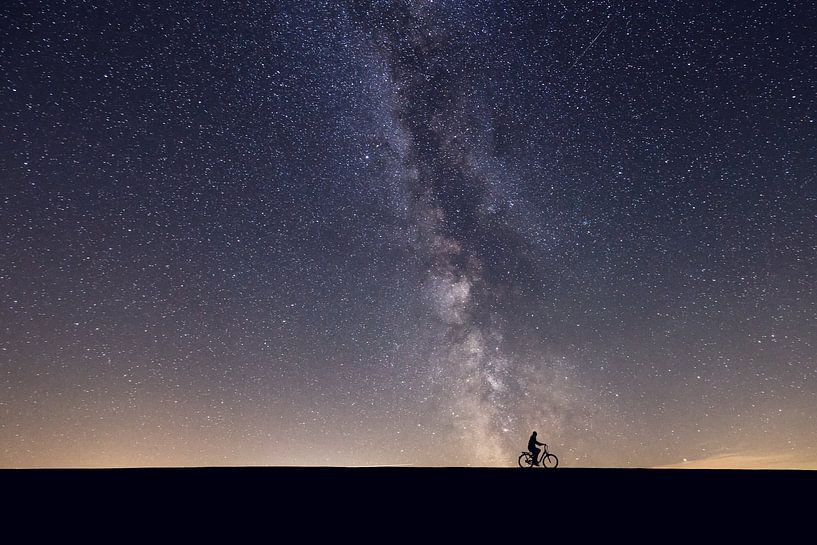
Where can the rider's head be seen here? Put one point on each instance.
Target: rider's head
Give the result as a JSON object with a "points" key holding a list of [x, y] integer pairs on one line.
{"points": [[534, 433]]}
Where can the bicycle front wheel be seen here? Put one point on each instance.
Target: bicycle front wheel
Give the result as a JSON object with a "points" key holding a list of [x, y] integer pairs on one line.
{"points": [[524, 460], [550, 461]]}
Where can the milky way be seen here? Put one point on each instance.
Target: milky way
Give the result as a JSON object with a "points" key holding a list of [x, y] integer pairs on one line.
{"points": [[362, 233]]}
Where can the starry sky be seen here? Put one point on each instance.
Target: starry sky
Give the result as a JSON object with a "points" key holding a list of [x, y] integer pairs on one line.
{"points": [[408, 232]]}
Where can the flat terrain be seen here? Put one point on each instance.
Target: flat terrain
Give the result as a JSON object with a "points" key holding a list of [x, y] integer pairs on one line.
{"points": [[426, 496]]}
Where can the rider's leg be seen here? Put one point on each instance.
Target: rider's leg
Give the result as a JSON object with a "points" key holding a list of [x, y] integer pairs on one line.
{"points": [[535, 453]]}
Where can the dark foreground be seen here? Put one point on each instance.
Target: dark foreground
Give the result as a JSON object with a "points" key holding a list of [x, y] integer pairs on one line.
{"points": [[333, 498]]}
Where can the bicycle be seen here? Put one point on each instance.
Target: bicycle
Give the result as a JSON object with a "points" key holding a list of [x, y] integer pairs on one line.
{"points": [[547, 460]]}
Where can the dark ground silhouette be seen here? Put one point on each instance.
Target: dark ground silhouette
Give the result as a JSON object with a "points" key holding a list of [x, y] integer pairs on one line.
{"points": [[411, 501]]}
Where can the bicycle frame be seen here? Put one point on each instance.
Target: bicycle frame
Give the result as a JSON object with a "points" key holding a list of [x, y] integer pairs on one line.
{"points": [[542, 454]]}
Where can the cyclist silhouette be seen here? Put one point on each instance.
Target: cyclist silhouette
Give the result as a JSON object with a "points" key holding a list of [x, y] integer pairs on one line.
{"points": [[532, 442]]}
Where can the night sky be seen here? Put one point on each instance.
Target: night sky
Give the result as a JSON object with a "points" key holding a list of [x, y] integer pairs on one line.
{"points": [[408, 232]]}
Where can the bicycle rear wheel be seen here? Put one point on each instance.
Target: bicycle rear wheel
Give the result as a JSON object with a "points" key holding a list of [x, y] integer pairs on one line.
{"points": [[550, 461], [524, 460]]}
